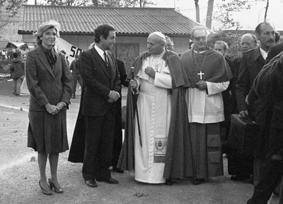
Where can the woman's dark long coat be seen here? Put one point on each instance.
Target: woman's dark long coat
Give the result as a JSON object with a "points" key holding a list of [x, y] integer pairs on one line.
{"points": [[47, 84]]}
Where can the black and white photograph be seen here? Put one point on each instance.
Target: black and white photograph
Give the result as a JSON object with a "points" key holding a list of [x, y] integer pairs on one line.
{"points": [[141, 102]]}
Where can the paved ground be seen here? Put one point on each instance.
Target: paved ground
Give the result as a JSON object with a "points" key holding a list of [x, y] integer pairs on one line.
{"points": [[19, 173]]}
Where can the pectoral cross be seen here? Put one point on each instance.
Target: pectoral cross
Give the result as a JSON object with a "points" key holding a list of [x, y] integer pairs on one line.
{"points": [[200, 75]]}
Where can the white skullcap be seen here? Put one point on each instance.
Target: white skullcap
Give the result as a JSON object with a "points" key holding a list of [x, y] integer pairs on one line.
{"points": [[159, 35], [47, 25]]}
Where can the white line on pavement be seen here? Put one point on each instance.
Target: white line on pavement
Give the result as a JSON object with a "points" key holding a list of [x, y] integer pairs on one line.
{"points": [[13, 107]]}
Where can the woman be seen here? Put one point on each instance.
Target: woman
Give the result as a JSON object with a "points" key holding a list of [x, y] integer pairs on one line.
{"points": [[50, 85]]}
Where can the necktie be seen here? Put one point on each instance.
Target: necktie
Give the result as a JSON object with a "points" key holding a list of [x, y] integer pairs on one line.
{"points": [[105, 59], [107, 63]]}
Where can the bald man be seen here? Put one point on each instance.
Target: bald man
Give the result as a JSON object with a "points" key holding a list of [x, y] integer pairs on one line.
{"points": [[240, 165], [248, 42], [159, 115]]}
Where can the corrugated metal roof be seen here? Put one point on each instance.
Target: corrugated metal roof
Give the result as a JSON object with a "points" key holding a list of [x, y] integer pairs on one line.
{"points": [[83, 20]]}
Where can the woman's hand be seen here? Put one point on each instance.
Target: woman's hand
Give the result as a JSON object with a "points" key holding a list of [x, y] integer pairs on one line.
{"points": [[51, 109]]}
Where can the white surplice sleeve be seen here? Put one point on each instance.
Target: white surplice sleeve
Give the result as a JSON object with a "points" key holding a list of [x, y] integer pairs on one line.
{"points": [[215, 88], [163, 80]]}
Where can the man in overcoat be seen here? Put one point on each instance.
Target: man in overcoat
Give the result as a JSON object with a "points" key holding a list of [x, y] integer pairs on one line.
{"points": [[267, 88], [251, 64]]}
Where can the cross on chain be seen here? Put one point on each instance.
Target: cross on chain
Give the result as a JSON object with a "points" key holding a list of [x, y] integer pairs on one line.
{"points": [[200, 75]]}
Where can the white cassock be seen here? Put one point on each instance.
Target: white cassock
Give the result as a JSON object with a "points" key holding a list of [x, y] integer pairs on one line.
{"points": [[154, 109], [206, 107]]}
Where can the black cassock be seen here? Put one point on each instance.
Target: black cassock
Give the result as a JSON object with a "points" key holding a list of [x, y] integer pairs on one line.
{"points": [[118, 116]]}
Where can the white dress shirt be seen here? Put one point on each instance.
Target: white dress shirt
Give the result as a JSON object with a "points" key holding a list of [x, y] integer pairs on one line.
{"points": [[263, 53], [100, 52]]}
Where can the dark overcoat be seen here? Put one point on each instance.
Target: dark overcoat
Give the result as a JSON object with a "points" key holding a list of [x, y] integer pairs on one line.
{"points": [[267, 88], [275, 50], [251, 64], [47, 84]]}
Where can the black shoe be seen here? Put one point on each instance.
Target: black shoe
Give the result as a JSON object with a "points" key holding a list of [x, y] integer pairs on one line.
{"points": [[250, 201], [44, 190], [240, 177], [118, 170], [91, 183], [169, 182], [55, 188], [198, 181], [110, 180]]}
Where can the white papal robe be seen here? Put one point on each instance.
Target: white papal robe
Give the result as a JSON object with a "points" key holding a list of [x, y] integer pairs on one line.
{"points": [[154, 109]]}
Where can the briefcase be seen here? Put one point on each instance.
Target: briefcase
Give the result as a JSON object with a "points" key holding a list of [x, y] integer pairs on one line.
{"points": [[242, 135]]}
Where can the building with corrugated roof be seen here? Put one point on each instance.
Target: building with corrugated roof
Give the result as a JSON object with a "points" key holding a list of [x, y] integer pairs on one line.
{"points": [[132, 25]]}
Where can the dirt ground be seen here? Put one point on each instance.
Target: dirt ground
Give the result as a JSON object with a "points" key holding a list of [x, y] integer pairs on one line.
{"points": [[19, 171]]}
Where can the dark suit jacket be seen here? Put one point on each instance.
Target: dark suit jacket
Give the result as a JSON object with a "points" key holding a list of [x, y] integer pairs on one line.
{"points": [[47, 84], [267, 88], [97, 82], [276, 139], [251, 64], [274, 51]]}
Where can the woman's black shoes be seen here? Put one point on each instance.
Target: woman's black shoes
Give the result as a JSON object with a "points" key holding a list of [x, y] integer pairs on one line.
{"points": [[55, 188], [45, 191]]}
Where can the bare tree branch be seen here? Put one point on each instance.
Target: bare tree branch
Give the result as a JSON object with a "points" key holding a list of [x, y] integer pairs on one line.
{"points": [[209, 13], [266, 10], [197, 10], [224, 13]]}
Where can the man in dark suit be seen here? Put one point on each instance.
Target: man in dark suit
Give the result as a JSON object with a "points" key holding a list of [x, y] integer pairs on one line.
{"points": [[101, 86], [251, 64]]}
